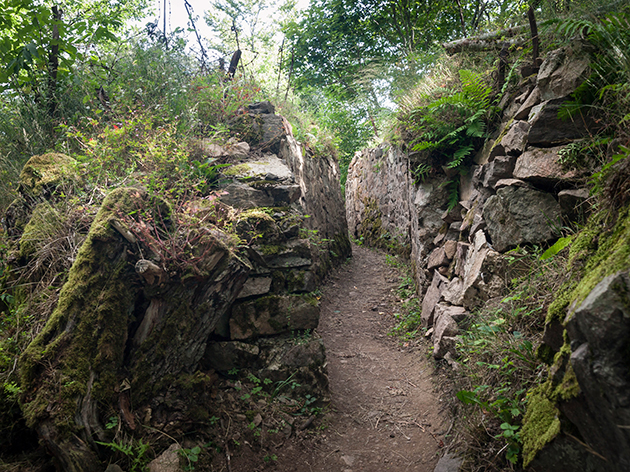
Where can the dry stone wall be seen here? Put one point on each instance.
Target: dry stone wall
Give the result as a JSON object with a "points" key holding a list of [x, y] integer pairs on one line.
{"points": [[515, 193], [144, 323]]}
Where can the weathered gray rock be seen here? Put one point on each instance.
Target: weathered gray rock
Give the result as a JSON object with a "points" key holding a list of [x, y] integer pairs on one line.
{"points": [[431, 297], [540, 166], [283, 195], [565, 454], [255, 286], [477, 281], [267, 167], [302, 358], [293, 254], [258, 108], [549, 130], [457, 313], [574, 203], [239, 150], [500, 168], [532, 100], [460, 258], [437, 258], [245, 197], [562, 71], [444, 336], [449, 462], [168, 461], [273, 131], [517, 215], [450, 248], [273, 314], [301, 281], [428, 201], [515, 140], [113, 468], [599, 331]]}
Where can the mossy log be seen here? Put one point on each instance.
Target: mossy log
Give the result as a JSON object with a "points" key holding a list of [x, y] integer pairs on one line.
{"points": [[118, 339]]}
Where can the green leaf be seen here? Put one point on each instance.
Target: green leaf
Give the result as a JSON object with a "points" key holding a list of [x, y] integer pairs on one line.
{"points": [[556, 248]]}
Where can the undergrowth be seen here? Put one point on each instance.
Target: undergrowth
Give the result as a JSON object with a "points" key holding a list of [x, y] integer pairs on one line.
{"points": [[497, 359]]}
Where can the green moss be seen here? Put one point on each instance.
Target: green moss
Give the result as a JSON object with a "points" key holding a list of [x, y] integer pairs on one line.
{"points": [[569, 387], [46, 171], [540, 425], [45, 222], [295, 280], [256, 214], [310, 299], [558, 308], [612, 255], [83, 341], [262, 184], [271, 249], [237, 170]]}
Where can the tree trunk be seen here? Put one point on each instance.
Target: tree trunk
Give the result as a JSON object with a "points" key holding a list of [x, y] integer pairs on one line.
{"points": [[485, 42], [53, 63], [535, 40]]}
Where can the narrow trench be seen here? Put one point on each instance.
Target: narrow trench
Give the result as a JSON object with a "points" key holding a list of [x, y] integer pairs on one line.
{"points": [[384, 412]]}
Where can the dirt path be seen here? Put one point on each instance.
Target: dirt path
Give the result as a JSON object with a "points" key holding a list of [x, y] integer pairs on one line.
{"points": [[384, 415]]}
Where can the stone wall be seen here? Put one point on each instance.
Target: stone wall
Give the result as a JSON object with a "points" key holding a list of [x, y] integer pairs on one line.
{"points": [[160, 299], [515, 193], [378, 198], [293, 216]]}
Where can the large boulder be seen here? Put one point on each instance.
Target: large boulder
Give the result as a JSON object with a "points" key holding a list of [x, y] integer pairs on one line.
{"points": [[548, 130], [273, 314], [518, 215], [562, 71], [540, 167], [599, 331]]}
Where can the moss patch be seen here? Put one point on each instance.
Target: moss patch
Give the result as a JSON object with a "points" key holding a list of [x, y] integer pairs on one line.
{"points": [[237, 170], [44, 222], [48, 170], [612, 254], [79, 351], [540, 425]]}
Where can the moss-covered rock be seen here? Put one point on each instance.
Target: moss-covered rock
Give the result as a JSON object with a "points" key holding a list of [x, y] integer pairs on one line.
{"points": [[540, 426], [591, 335], [44, 222], [111, 327], [42, 173]]}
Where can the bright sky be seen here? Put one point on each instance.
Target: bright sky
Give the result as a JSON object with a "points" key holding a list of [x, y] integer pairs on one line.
{"points": [[178, 17]]}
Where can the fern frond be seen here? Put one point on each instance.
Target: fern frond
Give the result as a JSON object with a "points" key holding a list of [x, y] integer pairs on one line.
{"points": [[572, 26], [476, 129], [459, 156], [475, 88], [424, 145]]}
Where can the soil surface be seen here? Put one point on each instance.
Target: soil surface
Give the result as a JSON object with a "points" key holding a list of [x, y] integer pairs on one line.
{"points": [[384, 412]]}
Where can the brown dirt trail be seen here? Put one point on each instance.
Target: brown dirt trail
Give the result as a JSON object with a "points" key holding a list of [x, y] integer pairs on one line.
{"points": [[385, 415]]}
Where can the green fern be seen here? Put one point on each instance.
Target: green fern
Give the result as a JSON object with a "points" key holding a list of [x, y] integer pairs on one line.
{"points": [[475, 88], [450, 126], [459, 156]]}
